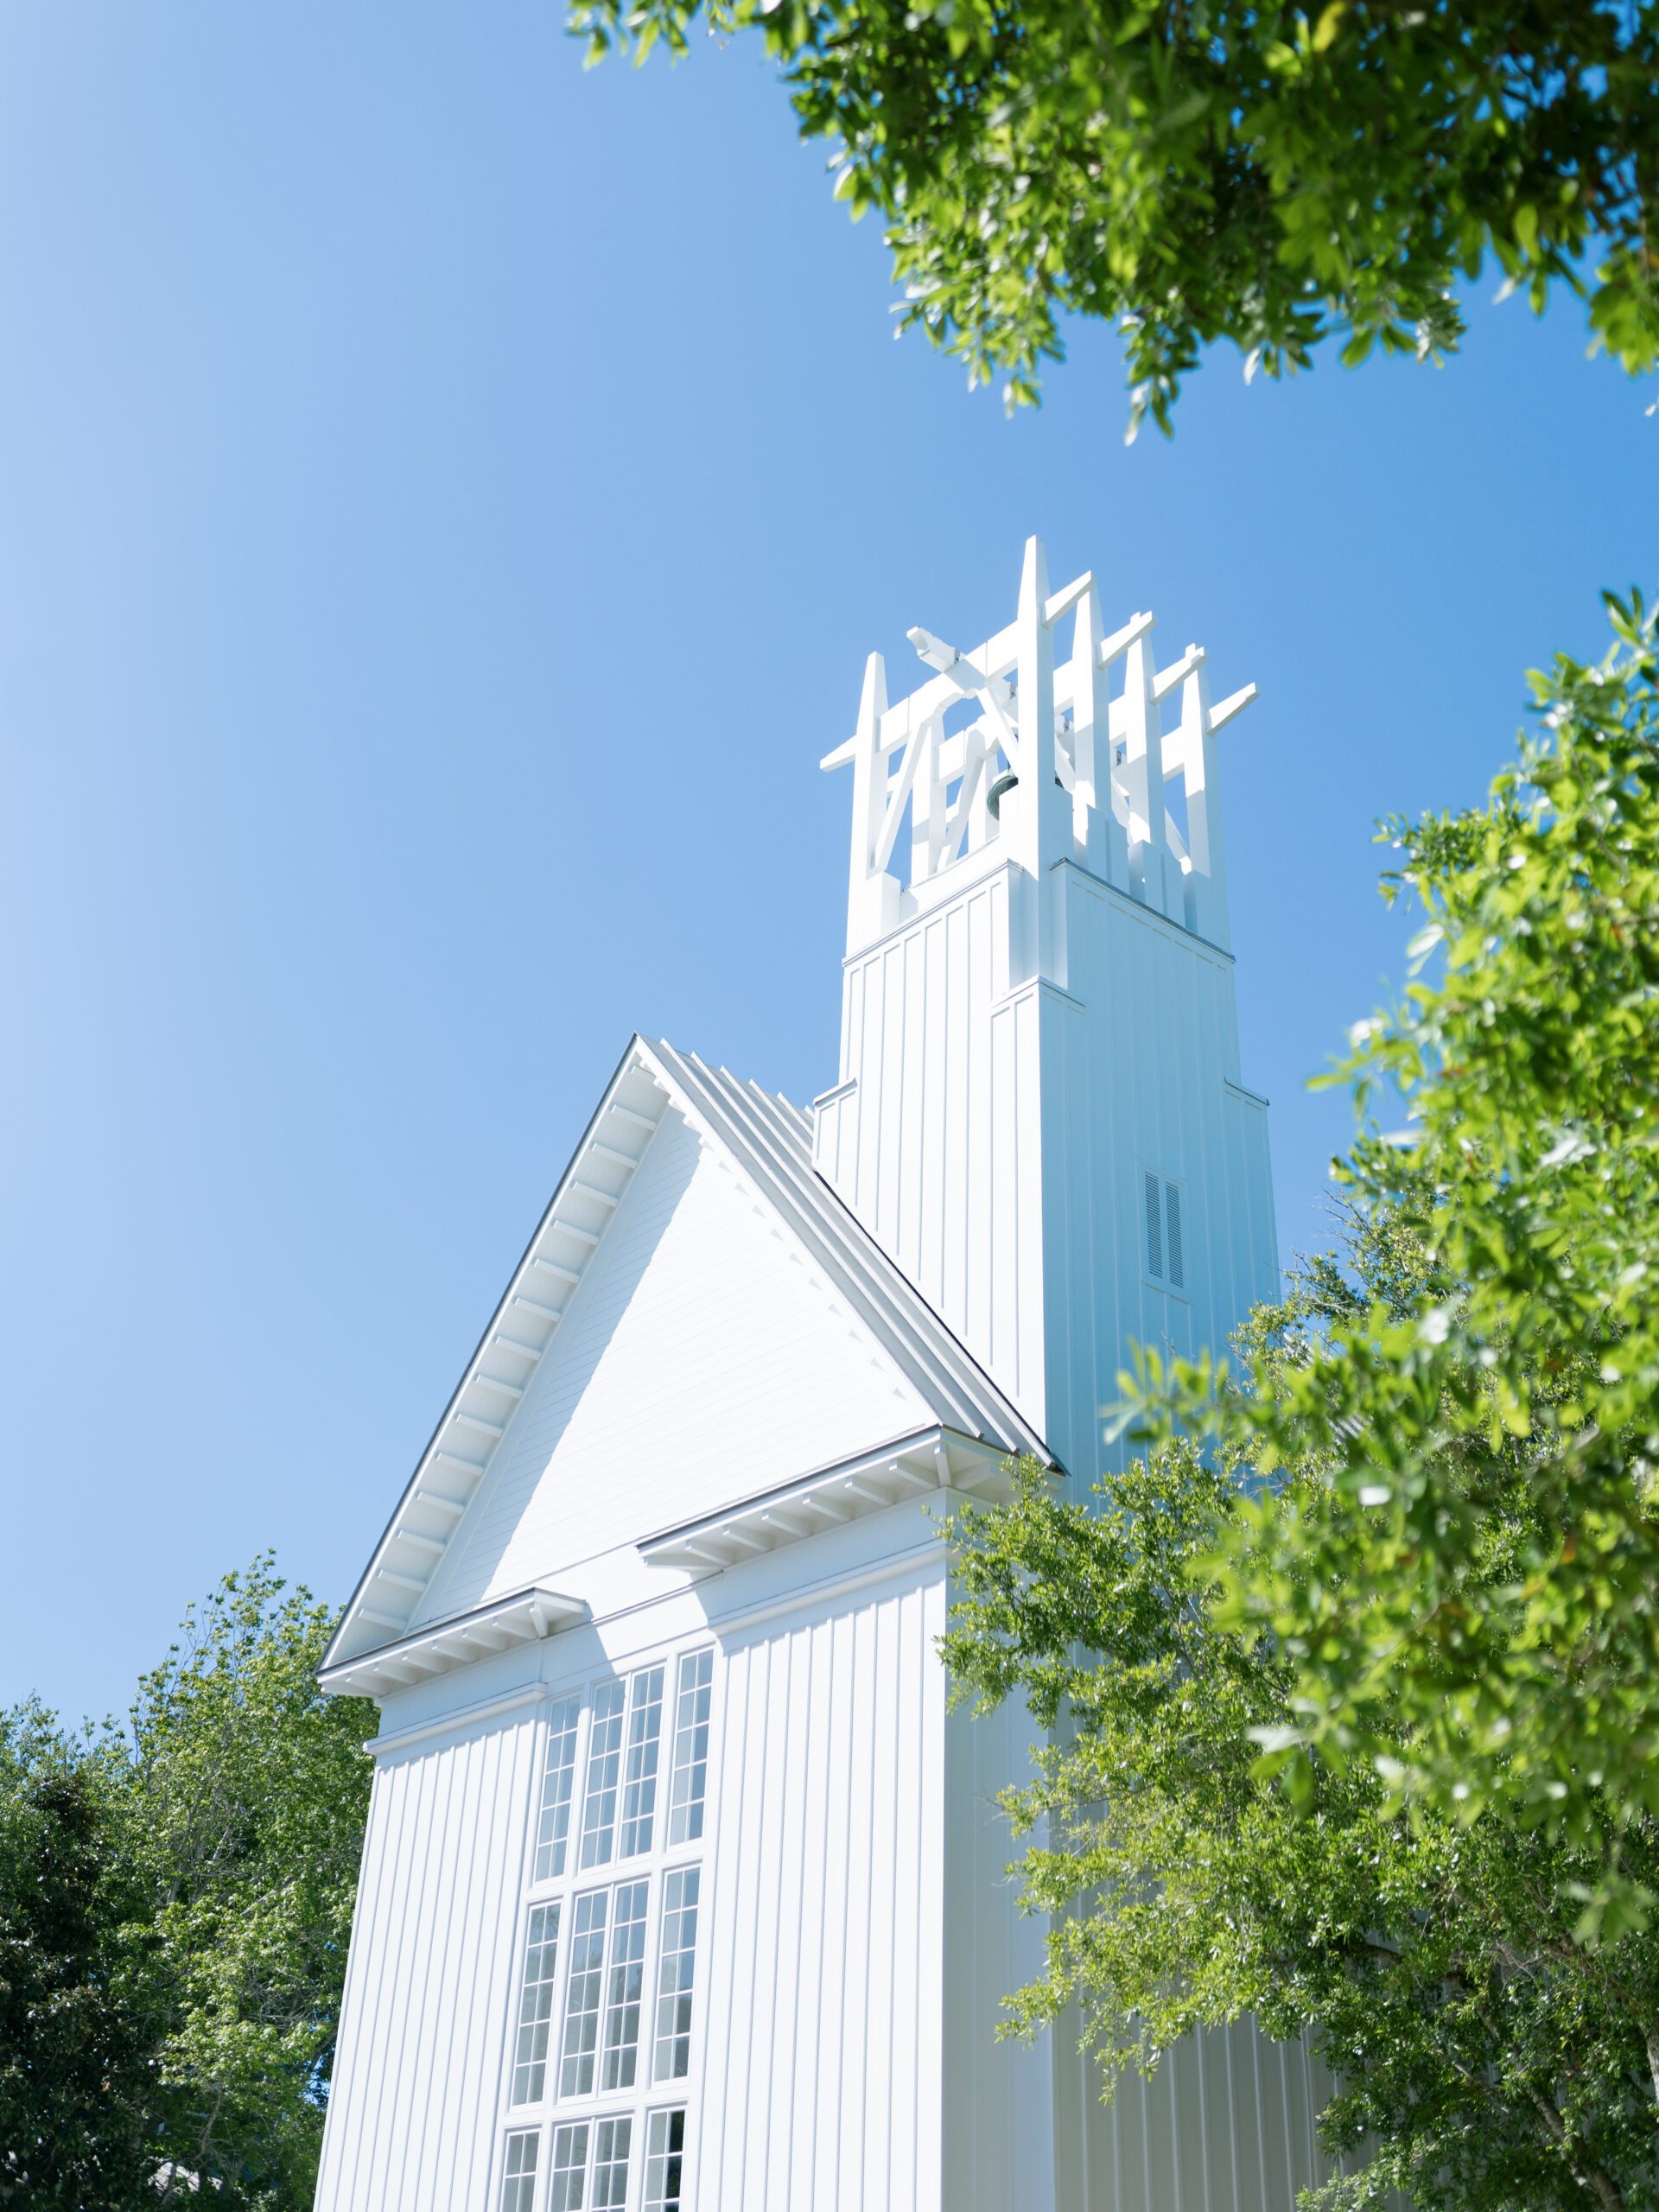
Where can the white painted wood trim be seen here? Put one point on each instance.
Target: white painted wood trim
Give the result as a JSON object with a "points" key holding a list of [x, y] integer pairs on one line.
{"points": [[442, 1647], [850, 1490], [807, 1594], [465, 1716]]}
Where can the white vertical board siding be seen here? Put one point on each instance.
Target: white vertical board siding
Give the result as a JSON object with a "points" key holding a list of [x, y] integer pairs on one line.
{"points": [[1254, 1241], [412, 2116], [936, 1146], [993, 1134], [1141, 1075], [1226, 2123], [1000, 2136], [824, 2020]]}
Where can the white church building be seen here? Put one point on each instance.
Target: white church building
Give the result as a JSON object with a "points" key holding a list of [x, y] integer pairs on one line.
{"points": [[682, 1885]]}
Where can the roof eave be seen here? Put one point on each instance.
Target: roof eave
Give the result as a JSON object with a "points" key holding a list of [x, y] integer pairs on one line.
{"points": [[522, 1617], [930, 1462]]}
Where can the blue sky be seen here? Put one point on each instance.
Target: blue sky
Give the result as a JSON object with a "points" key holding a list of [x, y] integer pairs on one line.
{"points": [[446, 499]]}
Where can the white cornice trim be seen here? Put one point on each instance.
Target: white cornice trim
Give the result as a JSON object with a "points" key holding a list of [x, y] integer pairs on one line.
{"points": [[930, 1551], [924, 1463], [445, 1724], [524, 1617]]}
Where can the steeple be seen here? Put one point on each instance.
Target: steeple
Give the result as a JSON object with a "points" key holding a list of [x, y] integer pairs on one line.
{"points": [[1039, 1113], [1010, 754]]}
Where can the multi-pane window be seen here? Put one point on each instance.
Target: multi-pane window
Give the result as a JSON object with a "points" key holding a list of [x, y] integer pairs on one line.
{"points": [[1166, 1258], [604, 1768], [611, 2139], [633, 1709], [605, 2004], [689, 1782], [582, 1999], [677, 1955], [625, 1983], [518, 2176], [568, 2181], [590, 2164], [535, 2005], [559, 1782], [664, 2158], [639, 1782]]}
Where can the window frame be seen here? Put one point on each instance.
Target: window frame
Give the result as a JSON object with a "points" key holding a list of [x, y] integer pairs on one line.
{"points": [[509, 2173], [665, 2113], [654, 1868]]}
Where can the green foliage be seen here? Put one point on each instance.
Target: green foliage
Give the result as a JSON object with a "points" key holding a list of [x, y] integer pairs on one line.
{"points": [[247, 1795], [77, 2063], [1485, 2061], [1461, 1527], [1351, 1696], [175, 1901], [1268, 174]]}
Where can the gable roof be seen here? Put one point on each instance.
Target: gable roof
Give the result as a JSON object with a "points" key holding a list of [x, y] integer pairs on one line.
{"points": [[769, 1141]]}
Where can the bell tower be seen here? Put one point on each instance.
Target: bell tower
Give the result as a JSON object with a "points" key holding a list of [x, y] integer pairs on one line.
{"points": [[1040, 1117], [1039, 1113]]}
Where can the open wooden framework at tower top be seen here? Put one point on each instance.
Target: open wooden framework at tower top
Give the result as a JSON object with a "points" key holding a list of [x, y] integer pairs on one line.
{"points": [[1009, 753]]}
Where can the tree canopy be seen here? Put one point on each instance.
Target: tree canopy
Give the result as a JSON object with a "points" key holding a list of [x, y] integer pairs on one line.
{"points": [[176, 1900], [245, 1796], [1485, 2059], [1351, 1691], [1460, 1528], [1193, 171], [78, 2058]]}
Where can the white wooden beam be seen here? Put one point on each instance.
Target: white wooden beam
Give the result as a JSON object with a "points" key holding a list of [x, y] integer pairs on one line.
{"points": [[555, 1267], [1234, 703], [735, 1533], [913, 1476], [1167, 679], [1120, 640], [472, 1467], [703, 1549], [1060, 603], [592, 1191], [517, 1346], [476, 1421], [868, 1491]]}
